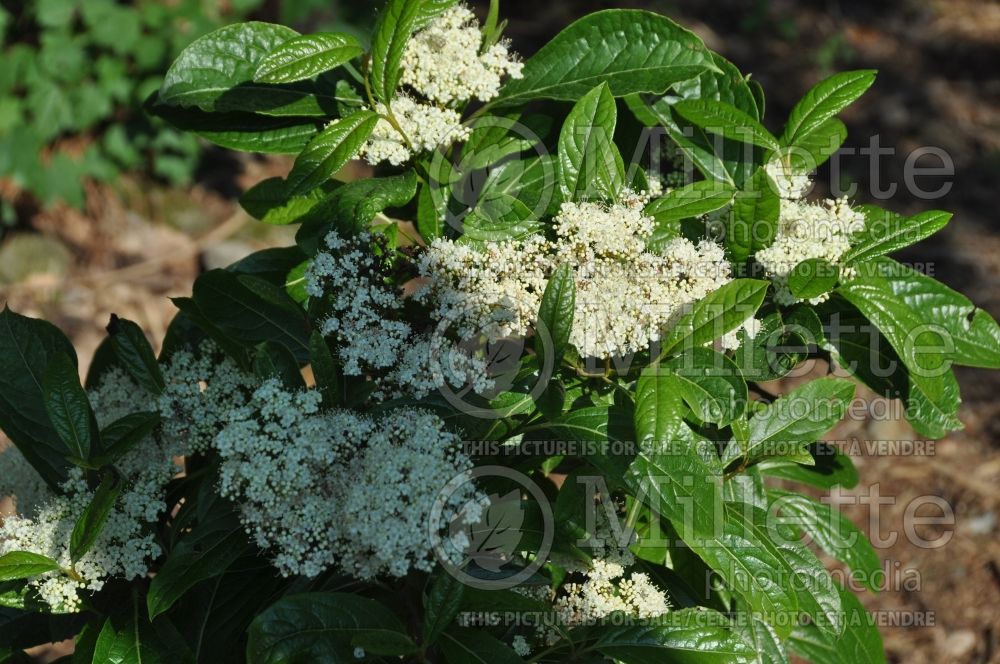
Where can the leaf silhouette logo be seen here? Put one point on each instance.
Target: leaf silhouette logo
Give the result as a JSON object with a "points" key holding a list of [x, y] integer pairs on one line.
{"points": [[494, 538]]}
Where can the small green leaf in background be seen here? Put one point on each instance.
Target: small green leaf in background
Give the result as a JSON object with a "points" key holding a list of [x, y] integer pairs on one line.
{"points": [[135, 354], [812, 277], [590, 165], [306, 56], [329, 151], [395, 24], [88, 527], [24, 565], [68, 406]]}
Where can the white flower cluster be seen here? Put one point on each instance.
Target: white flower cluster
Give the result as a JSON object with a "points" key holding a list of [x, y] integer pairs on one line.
{"points": [[20, 481], [808, 230], [338, 489], [790, 185], [373, 339], [424, 127], [444, 64], [626, 295], [123, 548], [608, 590]]}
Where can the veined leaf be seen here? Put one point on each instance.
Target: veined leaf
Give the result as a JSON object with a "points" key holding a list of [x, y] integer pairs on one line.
{"points": [[754, 220], [90, 524], [24, 565], [860, 643], [329, 151], [717, 313], [270, 202], [690, 201], [830, 468], [463, 645], [590, 165], [135, 354], [824, 101], [886, 232], [710, 384], [687, 636], [630, 50], [392, 31], [555, 316], [68, 407], [442, 604], [720, 118], [812, 277], [306, 56]]}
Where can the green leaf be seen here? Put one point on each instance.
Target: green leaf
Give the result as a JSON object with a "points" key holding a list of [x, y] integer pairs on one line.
{"points": [[215, 73], [430, 10], [206, 552], [306, 56], [68, 407], [395, 24], [720, 118], [135, 354], [124, 434], [797, 419], [690, 201], [329, 151], [813, 150], [860, 643], [717, 313], [241, 131], [687, 636], [710, 384], [671, 470], [777, 348], [590, 165], [26, 347], [886, 232], [270, 202], [317, 627], [90, 524], [832, 468], [812, 277], [272, 360], [823, 102], [752, 568], [352, 207], [128, 637], [462, 645], [832, 531], [251, 310], [764, 640], [754, 220], [630, 50], [325, 370], [24, 565], [555, 316], [442, 604]]}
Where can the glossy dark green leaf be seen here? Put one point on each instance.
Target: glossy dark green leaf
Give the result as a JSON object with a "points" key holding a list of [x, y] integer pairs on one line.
{"points": [[690, 201], [135, 354], [710, 384], [671, 470], [272, 360], [754, 219], [716, 314], [470, 646], [630, 50], [824, 101], [687, 636], [325, 370], [270, 201], [860, 643], [430, 10], [590, 165], [329, 151], [830, 467], [833, 532], [442, 604], [317, 627], [886, 232], [120, 436], [814, 149], [718, 117], [68, 407], [90, 524], [26, 347], [395, 23], [555, 316], [812, 277], [24, 565], [306, 56], [128, 637]]}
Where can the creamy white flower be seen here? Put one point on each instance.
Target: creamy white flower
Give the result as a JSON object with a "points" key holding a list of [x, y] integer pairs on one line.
{"points": [[337, 489], [424, 128], [520, 645], [790, 185], [444, 63], [609, 590], [808, 230]]}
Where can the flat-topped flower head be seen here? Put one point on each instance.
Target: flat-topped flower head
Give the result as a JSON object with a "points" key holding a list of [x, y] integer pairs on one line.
{"points": [[445, 62], [424, 127]]}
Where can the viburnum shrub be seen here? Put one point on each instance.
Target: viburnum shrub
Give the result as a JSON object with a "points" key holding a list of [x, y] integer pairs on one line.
{"points": [[503, 400]]}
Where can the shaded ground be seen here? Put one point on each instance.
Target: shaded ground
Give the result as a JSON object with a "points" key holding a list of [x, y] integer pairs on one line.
{"points": [[939, 85]]}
